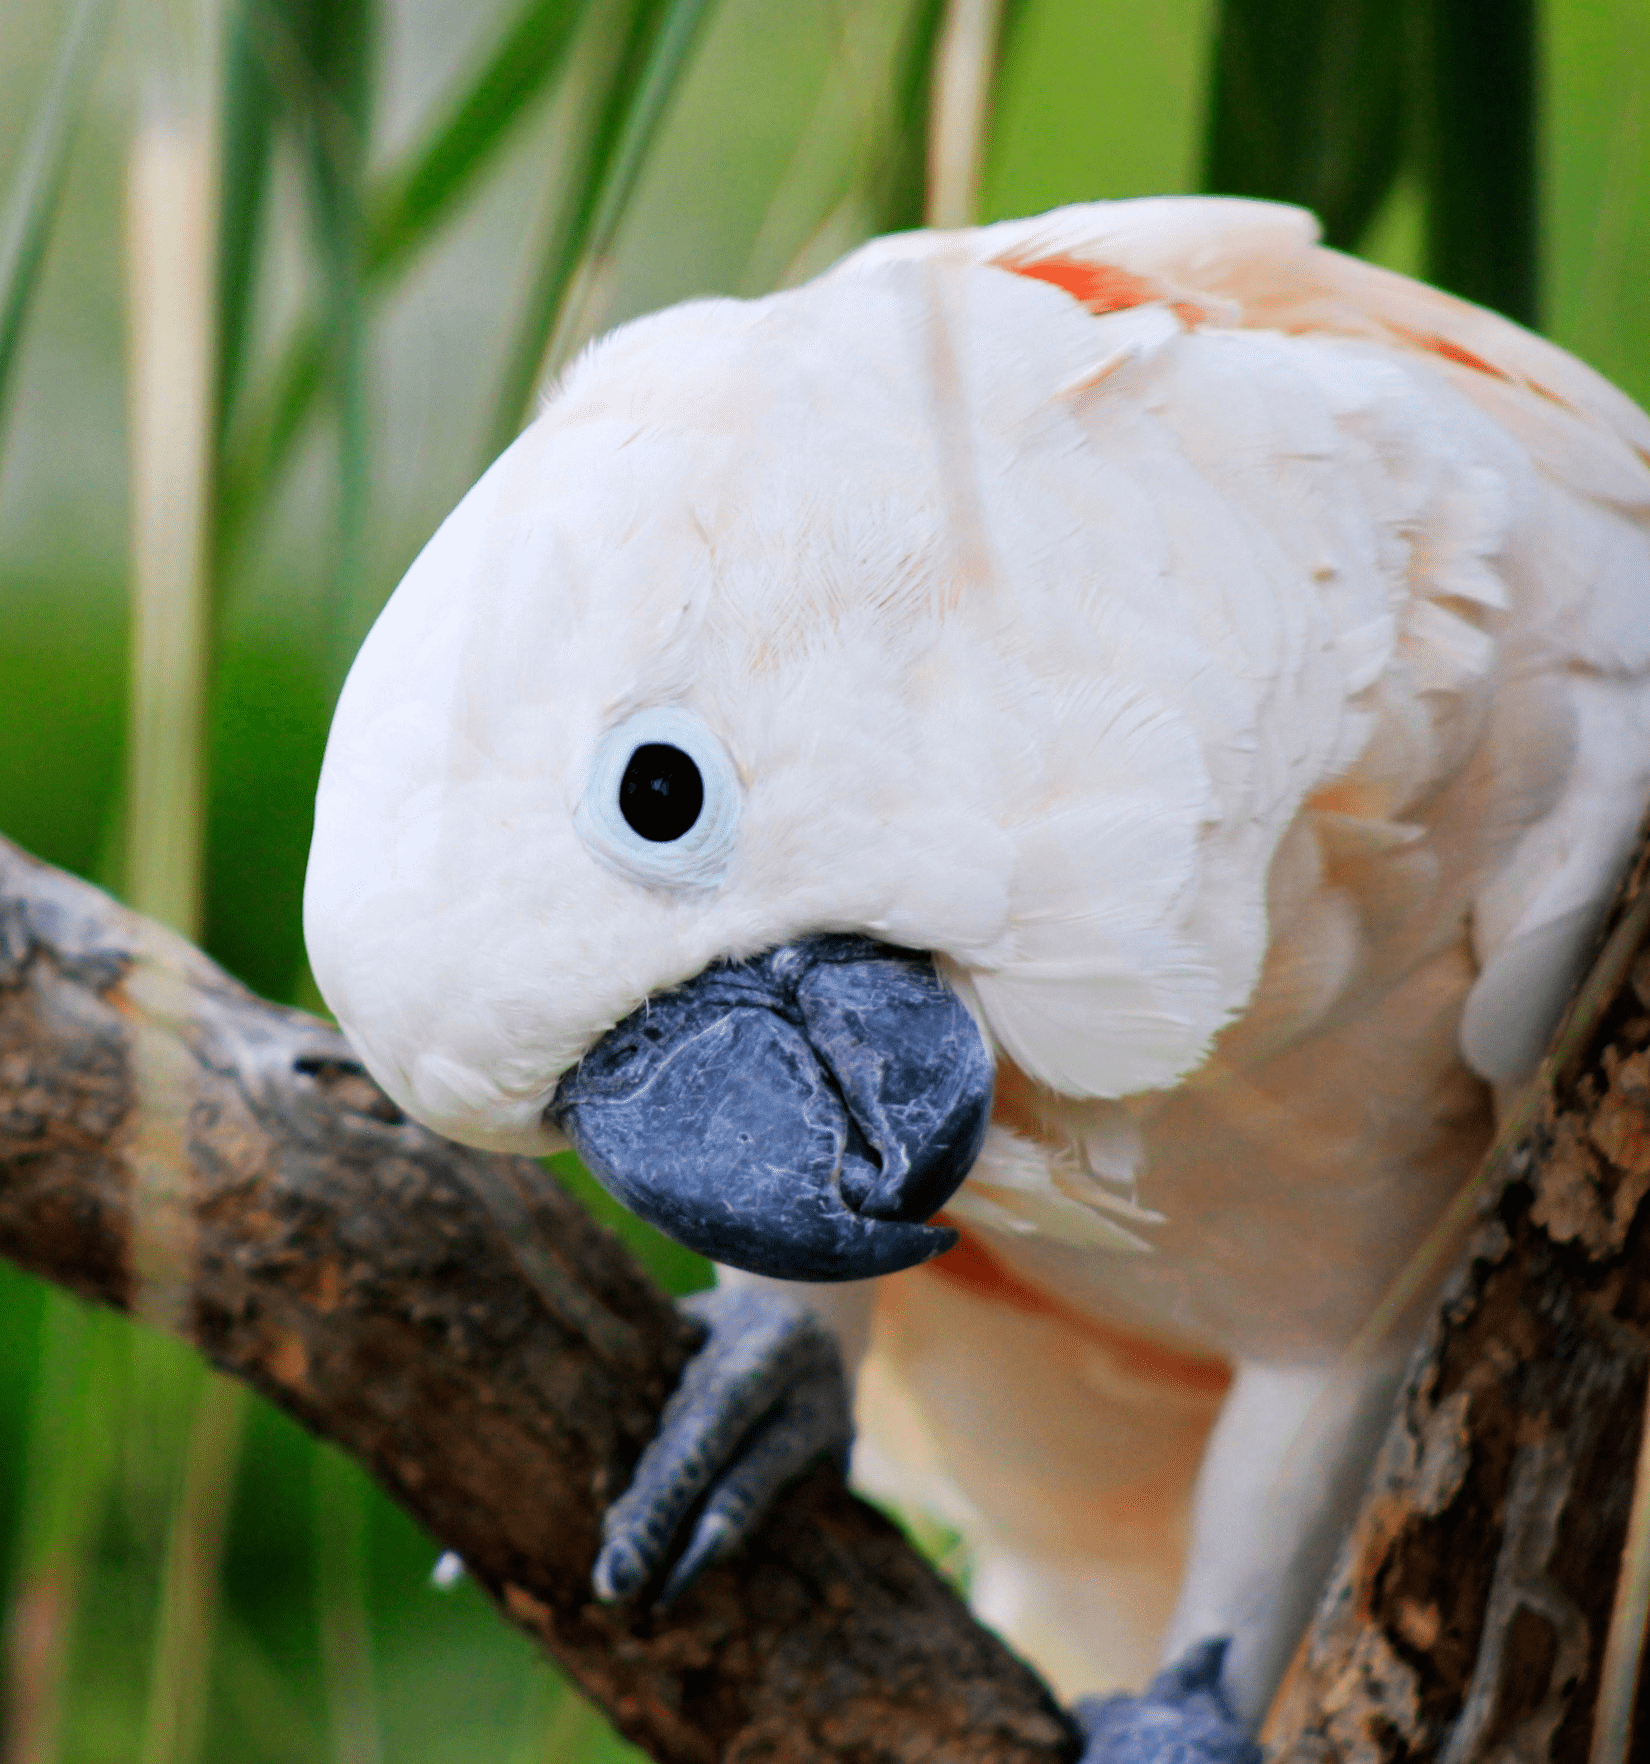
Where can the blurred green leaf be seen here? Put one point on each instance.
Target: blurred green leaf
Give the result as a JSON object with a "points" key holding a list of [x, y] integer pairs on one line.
{"points": [[268, 730], [341, 1504], [306, 65], [60, 760], [1306, 104], [1322, 102], [250, 110], [180, 1674], [1475, 96], [1097, 102], [336, 39], [32, 203], [402, 214], [415, 199], [644, 78], [254, 456], [70, 1465], [271, 1721], [903, 179]]}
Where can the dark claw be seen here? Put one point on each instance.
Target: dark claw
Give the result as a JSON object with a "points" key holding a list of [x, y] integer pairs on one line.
{"points": [[764, 1396], [1183, 1717]]}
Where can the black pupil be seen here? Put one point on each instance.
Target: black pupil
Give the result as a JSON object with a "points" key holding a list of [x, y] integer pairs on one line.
{"points": [[661, 793]]}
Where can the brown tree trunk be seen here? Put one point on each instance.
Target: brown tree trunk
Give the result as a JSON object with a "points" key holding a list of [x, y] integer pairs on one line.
{"points": [[174, 1146], [1468, 1615]]}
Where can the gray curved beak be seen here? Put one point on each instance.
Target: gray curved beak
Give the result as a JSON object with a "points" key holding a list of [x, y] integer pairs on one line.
{"points": [[798, 1115]]}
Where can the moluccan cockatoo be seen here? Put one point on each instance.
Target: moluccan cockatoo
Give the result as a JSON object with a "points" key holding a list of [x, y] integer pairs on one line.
{"points": [[1025, 794]]}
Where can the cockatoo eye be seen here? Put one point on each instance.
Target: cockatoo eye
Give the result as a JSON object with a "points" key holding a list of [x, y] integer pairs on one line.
{"points": [[661, 792], [661, 805]]}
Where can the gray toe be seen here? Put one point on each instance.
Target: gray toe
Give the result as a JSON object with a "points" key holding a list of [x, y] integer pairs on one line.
{"points": [[762, 1398], [1183, 1717]]}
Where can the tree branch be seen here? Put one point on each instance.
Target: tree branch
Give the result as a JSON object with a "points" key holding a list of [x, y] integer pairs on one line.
{"points": [[174, 1146], [1468, 1616]]}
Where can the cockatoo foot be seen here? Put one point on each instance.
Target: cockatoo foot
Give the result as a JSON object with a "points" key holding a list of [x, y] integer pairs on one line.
{"points": [[1182, 1717], [762, 1398]]}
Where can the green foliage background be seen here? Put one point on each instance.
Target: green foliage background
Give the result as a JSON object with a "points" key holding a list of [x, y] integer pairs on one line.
{"points": [[416, 196]]}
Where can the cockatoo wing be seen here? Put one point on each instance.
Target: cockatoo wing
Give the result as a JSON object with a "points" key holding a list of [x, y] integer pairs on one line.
{"points": [[1490, 707]]}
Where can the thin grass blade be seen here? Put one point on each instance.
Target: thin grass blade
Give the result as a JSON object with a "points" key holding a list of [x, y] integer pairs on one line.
{"points": [[1306, 104], [341, 40], [171, 275], [656, 54], [250, 111], [38, 184], [169, 257], [965, 72], [669, 43]]}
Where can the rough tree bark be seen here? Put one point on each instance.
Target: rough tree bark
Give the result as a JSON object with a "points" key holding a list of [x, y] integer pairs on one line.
{"points": [[172, 1145], [1468, 1614]]}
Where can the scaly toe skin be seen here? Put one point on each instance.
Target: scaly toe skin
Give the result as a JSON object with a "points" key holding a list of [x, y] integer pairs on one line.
{"points": [[762, 1398], [1183, 1717], [809, 1422]]}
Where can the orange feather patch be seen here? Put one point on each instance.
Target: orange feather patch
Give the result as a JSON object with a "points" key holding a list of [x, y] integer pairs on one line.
{"points": [[1454, 352], [1435, 344], [1103, 287]]}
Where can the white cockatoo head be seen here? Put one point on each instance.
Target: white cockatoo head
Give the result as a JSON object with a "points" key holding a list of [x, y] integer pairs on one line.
{"points": [[672, 688], [719, 661]]}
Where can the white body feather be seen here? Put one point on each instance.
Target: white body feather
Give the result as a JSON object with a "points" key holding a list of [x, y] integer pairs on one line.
{"points": [[1245, 690]]}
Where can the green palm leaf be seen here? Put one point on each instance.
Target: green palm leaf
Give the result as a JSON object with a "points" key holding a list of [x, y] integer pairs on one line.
{"points": [[1306, 105], [1324, 102]]}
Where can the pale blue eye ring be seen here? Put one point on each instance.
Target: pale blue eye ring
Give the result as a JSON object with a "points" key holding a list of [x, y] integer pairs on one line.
{"points": [[699, 857]]}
